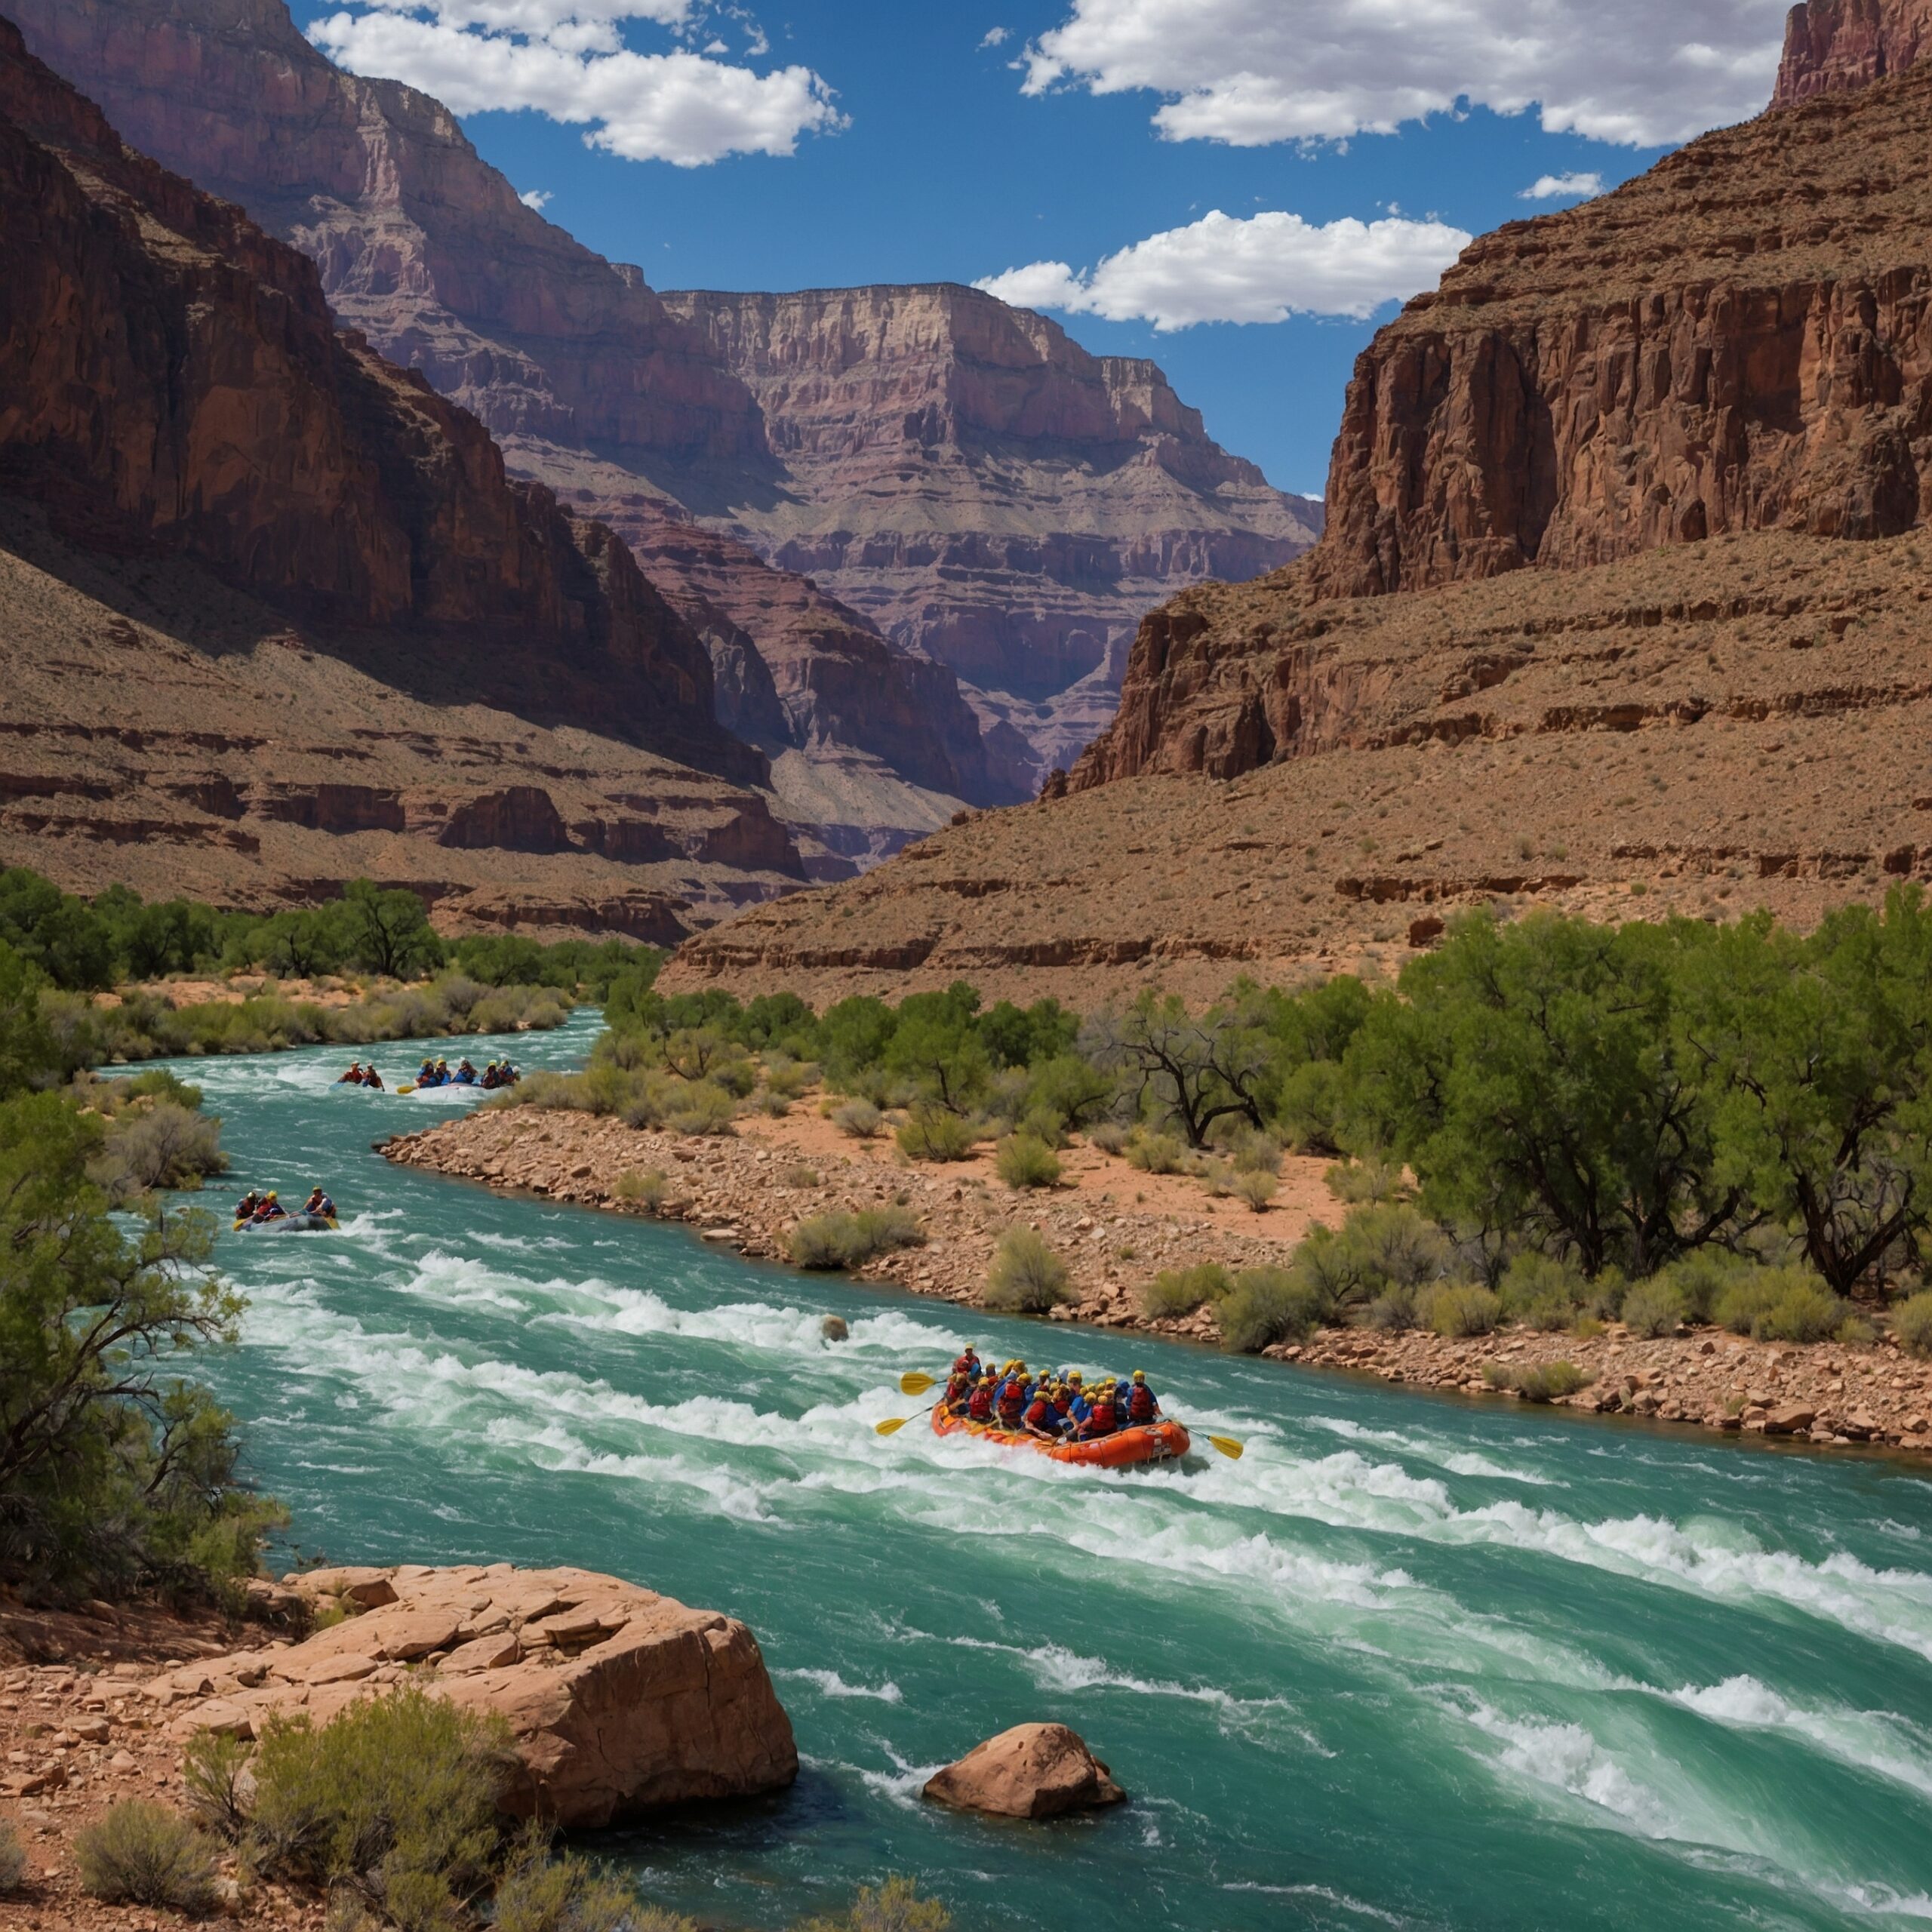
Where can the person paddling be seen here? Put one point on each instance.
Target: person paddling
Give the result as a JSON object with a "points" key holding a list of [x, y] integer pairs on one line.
{"points": [[1142, 1409], [980, 1405], [372, 1079], [1041, 1418], [354, 1077], [244, 1208], [320, 1203], [270, 1208]]}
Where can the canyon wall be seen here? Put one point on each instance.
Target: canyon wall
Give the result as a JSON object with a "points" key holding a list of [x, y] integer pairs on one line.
{"points": [[177, 405], [1839, 46]]}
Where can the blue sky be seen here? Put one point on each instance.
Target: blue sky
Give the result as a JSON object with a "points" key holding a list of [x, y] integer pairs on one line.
{"points": [[964, 139]]}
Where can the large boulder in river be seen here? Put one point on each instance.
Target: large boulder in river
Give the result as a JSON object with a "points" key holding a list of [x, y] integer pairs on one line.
{"points": [[1034, 1770], [620, 1701]]}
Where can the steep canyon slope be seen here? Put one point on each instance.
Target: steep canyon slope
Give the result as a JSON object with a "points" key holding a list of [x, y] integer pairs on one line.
{"points": [[988, 496], [1621, 605], [179, 412]]}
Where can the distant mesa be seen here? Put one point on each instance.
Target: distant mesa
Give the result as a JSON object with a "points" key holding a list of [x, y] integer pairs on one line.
{"points": [[1839, 46]]}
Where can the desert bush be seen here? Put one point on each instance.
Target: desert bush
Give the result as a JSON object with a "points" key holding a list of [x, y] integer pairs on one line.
{"points": [[139, 1852], [13, 1859], [1779, 1305], [896, 1907], [1155, 1153], [1255, 1188], [1541, 1381], [1698, 1279], [704, 1109], [213, 1785], [859, 1119], [850, 1241], [162, 1145], [1108, 1136], [786, 1075], [1542, 1291], [1269, 1305], [649, 1191], [1257, 1153], [394, 1800], [1177, 1291], [1369, 1181], [541, 1893], [1654, 1308], [800, 1177], [932, 1134], [1457, 1309], [1911, 1322], [1027, 1277], [1026, 1162]]}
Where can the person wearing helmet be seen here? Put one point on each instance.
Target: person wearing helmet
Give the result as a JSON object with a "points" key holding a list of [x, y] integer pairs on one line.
{"points": [[980, 1405], [1041, 1419], [1011, 1404], [371, 1078], [959, 1393], [353, 1078], [1081, 1405], [244, 1208], [1100, 1418], [1063, 1400], [1142, 1409], [318, 1203], [271, 1208], [969, 1364]]}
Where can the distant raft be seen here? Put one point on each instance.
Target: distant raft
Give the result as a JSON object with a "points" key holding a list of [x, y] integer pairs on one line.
{"points": [[290, 1224], [1125, 1449]]}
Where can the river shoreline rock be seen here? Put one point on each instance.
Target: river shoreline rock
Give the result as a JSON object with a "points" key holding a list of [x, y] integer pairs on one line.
{"points": [[621, 1702], [1034, 1770], [1117, 1228]]}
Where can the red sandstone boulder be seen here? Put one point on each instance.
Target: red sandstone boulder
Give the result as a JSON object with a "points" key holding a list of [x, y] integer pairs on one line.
{"points": [[1034, 1770], [620, 1701]]}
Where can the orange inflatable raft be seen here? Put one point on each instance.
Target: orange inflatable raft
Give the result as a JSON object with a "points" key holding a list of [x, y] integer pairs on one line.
{"points": [[1126, 1448]]}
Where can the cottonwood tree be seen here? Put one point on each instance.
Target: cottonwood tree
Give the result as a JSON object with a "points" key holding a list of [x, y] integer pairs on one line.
{"points": [[1196, 1069]]}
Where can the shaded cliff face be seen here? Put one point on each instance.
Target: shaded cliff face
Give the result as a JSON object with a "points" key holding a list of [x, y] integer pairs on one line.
{"points": [[1839, 46], [1735, 341], [591, 385], [174, 397], [977, 483]]}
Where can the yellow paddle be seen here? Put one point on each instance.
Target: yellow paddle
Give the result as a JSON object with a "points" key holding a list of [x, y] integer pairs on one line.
{"points": [[897, 1423], [913, 1383], [410, 1089], [1228, 1446]]}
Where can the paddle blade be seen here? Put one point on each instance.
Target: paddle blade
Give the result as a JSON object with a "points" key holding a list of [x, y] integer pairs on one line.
{"points": [[1228, 1446], [914, 1383], [410, 1089], [891, 1428]]}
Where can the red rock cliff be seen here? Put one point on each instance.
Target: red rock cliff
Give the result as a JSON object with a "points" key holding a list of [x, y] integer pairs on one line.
{"points": [[171, 378], [1839, 46]]}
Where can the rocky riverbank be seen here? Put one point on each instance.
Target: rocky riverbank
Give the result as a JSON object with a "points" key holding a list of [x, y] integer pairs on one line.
{"points": [[1116, 1227]]}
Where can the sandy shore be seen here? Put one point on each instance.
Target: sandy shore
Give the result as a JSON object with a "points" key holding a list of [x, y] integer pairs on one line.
{"points": [[1116, 1228]]}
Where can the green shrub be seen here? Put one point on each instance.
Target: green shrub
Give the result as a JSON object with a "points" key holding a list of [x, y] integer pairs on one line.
{"points": [[785, 1075], [1654, 1308], [162, 1145], [1254, 1187], [859, 1119], [1780, 1305], [1155, 1153], [213, 1785], [850, 1241], [932, 1134], [1369, 1181], [1024, 1161], [649, 1191], [1460, 1309], [1178, 1291], [539, 1893], [1699, 1277], [13, 1859], [396, 1798], [1027, 1277], [1541, 1381], [1108, 1136], [1542, 1291], [896, 1907], [1269, 1305], [138, 1853], [776, 1106], [705, 1109], [1911, 1322]]}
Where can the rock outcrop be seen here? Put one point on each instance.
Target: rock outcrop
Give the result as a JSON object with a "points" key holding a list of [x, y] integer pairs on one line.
{"points": [[1839, 46], [621, 1702], [1034, 1770], [171, 380]]}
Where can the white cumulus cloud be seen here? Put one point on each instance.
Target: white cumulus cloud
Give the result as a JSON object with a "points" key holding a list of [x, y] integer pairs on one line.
{"points": [[567, 59], [535, 199], [1248, 73], [1562, 188], [995, 37], [1263, 268]]}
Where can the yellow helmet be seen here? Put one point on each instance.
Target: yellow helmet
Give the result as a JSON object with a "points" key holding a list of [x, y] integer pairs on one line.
{"points": [[1140, 1375], [271, 1195]]}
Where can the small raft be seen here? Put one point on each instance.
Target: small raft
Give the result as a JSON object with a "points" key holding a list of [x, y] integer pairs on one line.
{"points": [[289, 1224], [1161, 1441]]}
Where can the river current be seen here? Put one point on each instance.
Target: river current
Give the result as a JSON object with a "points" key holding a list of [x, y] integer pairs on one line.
{"points": [[1413, 1662]]}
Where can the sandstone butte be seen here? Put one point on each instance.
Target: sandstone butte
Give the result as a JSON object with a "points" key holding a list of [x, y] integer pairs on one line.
{"points": [[276, 616], [620, 1701], [1619, 608], [954, 475]]}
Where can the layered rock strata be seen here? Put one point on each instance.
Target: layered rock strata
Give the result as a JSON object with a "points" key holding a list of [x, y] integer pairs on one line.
{"points": [[620, 1703], [1839, 46]]}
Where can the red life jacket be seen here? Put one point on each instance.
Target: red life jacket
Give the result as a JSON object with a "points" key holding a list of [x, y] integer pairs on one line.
{"points": [[1012, 1401], [1040, 1415], [957, 1390], [966, 1365], [1140, 1404], [1101, 1422], [980, 1408]]}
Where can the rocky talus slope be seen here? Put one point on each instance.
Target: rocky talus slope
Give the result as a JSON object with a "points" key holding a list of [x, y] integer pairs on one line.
{"points": [[265, 592], [979, 485]]}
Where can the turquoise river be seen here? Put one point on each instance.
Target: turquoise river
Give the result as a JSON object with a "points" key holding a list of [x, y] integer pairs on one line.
{"points": [[1414, 1662]]}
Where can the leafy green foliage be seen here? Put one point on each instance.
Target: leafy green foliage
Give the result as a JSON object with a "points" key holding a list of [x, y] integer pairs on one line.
{"points": [[1780, 1305], [649, 1192], [850, 1241], [1911, 1322], [1256, 1188], [1460, 1308], [931, 1133], [1179, 1291], [137, 1852], [1025, 1160], [1155, 1153], [1027, 1278], [1540, 1382], [540, 1893], [1654, 1308], [115, 1469], [214, 1784], [859, 1119], [1544, 1291], [1266, 1305], [896, 1907]]}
